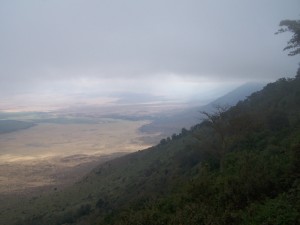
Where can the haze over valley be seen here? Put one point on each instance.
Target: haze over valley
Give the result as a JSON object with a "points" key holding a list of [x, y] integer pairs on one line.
{"points": [[149, 112]]}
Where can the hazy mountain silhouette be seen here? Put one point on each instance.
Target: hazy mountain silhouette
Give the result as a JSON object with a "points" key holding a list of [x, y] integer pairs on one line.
{"points": [[244, 173], [169, 124]]}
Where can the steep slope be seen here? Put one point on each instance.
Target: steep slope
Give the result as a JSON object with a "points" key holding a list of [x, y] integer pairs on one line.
{"points": [[238, 94], [240, 166]]}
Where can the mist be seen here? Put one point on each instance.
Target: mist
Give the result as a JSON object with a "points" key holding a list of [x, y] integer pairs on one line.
{"points": [[58, 53]]}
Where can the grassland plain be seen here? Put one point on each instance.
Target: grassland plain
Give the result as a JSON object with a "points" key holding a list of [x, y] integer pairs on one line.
{"points": [[57, 153], [186, 179]]}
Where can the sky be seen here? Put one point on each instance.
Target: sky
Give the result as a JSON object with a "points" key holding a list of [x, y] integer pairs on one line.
{"points": [[58, 52]]}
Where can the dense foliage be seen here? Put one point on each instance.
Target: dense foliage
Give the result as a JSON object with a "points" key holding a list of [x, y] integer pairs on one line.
{"points": [[240, 168], [254, 180], [294, 27]]}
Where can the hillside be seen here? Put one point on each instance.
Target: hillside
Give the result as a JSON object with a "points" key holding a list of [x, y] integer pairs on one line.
{"points": [[169, 124], [240, 166]]}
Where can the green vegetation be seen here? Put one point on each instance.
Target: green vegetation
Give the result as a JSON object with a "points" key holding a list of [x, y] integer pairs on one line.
{"points": [[239, 166], [294, 27], [247, 175]]}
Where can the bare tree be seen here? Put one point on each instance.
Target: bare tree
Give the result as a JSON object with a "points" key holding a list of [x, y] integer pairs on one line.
{"points": [[218, 122]]}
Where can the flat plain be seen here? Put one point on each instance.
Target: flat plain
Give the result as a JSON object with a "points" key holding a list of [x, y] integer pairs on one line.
{"points": [[57, 154]]}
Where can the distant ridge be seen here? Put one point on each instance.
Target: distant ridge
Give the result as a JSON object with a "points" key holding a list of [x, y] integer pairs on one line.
{"points": [[246, 172], [238, 94], [191, 116]]}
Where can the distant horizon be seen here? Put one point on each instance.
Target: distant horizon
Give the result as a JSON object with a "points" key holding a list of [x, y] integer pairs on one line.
{"points": [[80, 100], [60, 53]]}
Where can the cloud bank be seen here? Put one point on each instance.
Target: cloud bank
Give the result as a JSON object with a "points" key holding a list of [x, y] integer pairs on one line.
{"points": [[113, 45]]}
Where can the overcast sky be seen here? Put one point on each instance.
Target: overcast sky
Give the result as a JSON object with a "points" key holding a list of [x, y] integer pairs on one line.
{"points": [[170, 48]]}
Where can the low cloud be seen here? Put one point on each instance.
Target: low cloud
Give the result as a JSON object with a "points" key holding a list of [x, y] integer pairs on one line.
{"points": [[74, 46]]}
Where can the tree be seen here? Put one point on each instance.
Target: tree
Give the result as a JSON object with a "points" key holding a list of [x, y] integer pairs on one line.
{"points": [[217, 121], [219, 124], [184, 131], [294, 27]]}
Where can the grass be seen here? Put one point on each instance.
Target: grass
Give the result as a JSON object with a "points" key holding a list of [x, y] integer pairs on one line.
{"points": [[49, 153]]}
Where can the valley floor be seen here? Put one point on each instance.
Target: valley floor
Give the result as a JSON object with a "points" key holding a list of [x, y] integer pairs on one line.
{"points": [[53, 155]]}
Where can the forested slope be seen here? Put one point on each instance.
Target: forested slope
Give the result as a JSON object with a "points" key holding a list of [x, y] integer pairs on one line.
{"points": [[240, 166]]}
